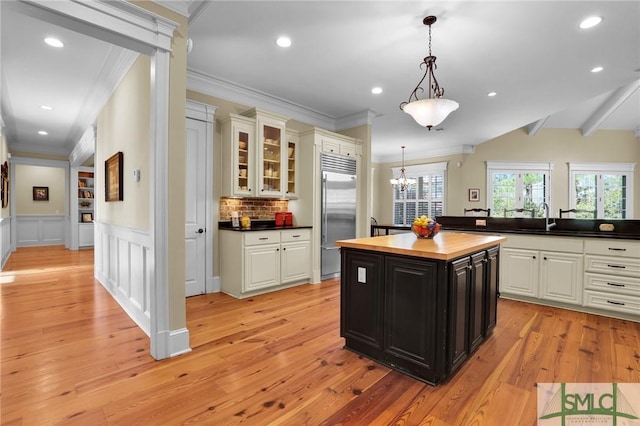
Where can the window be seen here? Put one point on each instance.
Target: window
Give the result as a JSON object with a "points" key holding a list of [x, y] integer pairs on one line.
{"points": [[424, 197], [518, 186], [604, 188]]}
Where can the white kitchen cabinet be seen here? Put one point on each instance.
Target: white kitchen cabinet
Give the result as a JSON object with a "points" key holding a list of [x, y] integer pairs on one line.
{"points": [[261, 267], [612, 276], [295, 257], [293, 152], [343, 146], [256, 262], [238, 154], [529, 269], [519, 273], [561, 277], [254, 152], [271, 153]]}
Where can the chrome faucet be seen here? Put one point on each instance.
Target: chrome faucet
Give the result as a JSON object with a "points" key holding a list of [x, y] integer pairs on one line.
{"points": [[548, 225]]}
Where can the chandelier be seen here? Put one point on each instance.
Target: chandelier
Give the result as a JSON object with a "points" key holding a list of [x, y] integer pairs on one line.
{"points": [[434, 109], [402, 179]]}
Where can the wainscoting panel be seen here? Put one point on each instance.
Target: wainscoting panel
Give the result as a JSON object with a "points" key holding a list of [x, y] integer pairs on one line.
{"points": [[122, 267], [36, 230], [5, 240]]}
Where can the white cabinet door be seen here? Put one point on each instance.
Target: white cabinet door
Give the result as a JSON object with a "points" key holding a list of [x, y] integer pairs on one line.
{"points": [[295, 261], [561, 277], [261, 267], [519, 272], [243, 170], [85, 234], [291, 172], [272, 152]]}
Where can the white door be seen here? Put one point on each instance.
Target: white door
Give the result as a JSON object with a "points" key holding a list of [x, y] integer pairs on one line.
{"points": [[195, 207]]}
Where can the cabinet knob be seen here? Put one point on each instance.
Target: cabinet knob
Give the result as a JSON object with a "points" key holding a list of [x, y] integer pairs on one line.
{"points": [[534, 257], [200, 231], [545, 258], [284, 248]]}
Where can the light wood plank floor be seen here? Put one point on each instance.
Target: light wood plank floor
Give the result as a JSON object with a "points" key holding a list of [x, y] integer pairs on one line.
{"points": [[71, 356]]}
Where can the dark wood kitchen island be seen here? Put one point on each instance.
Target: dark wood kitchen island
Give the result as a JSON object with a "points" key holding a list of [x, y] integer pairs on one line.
{"points": [[419, 306]]}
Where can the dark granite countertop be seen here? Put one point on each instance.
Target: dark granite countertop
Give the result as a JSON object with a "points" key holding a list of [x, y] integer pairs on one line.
{"points": [[581, 228], [259, 225]]}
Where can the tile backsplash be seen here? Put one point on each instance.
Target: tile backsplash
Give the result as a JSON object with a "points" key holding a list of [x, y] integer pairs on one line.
{"points": [[255, 208]]}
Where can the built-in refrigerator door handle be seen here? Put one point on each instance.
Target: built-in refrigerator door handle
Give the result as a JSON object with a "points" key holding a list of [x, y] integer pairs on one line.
{"points": [[324, 213]]}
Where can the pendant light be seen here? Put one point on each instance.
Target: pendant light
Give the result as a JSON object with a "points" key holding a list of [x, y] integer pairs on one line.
{"points": [[434, 109], [402, 180]]}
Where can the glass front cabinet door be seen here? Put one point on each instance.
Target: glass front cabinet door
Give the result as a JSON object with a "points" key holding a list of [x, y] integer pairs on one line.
{"points": [[272, 154], [238, 150], [292, 164]]}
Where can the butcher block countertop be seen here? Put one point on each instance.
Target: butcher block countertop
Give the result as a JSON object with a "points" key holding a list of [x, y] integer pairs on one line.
{"points": [[444, 246]]}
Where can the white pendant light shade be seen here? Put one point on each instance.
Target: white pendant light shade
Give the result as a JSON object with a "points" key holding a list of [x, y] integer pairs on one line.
{"points": [[430, 112]]}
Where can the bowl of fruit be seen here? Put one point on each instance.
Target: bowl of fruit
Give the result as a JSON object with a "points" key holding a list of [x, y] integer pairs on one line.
{"points": [[425, 227]]}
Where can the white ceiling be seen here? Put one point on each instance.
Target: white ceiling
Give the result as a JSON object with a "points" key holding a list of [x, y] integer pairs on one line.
{"points": [[531, 53]]}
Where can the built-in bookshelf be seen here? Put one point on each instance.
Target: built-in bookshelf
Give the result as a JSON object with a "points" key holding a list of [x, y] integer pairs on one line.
{"points": [[85, 196], [82, 207]]}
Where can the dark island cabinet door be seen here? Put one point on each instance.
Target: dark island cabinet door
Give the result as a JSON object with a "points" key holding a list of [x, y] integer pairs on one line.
{"points": [[411, 339], [491, 302], [361, 299], [458, 329], [477, 300]]}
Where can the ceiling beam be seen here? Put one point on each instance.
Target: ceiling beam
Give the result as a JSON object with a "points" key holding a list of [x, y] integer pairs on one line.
{"points": [[535, 127], [601, 114]]}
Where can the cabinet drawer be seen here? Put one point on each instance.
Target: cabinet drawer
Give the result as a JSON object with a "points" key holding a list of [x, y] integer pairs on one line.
{"points": [[612, 284], [616, 248], [613, 265], [534, 242], [330, 146], [612, 302], [295, 235], [261, 237], [348, 150]]}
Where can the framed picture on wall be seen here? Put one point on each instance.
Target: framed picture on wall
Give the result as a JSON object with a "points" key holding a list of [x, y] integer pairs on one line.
{"points": [[474, 194], [4, 184], [40, 193], [113, 178]]}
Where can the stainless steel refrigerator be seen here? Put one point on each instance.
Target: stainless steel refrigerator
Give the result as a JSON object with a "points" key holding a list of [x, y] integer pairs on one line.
{"points": [[338, 209]]}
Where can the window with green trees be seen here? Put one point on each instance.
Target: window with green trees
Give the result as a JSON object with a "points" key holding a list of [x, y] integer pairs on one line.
{"points": [[513, 186], [603, 188]]}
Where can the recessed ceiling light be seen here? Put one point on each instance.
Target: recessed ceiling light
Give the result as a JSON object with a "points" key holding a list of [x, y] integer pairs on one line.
{"points": [[46, 107], [43, 133], [53, 42], [491, 94], [376, 90], [590, 22], [283, 41], [597, 69]]}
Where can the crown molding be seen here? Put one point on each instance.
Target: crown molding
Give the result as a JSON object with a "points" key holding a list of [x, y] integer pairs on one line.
{"points": [[38, 149], [114, 68], [181, 7], [356, 119], [433, 153], [214, 86], [85, 147]]}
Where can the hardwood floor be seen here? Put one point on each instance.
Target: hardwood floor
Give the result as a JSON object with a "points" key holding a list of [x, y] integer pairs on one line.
{"points": [[71, 356]]}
